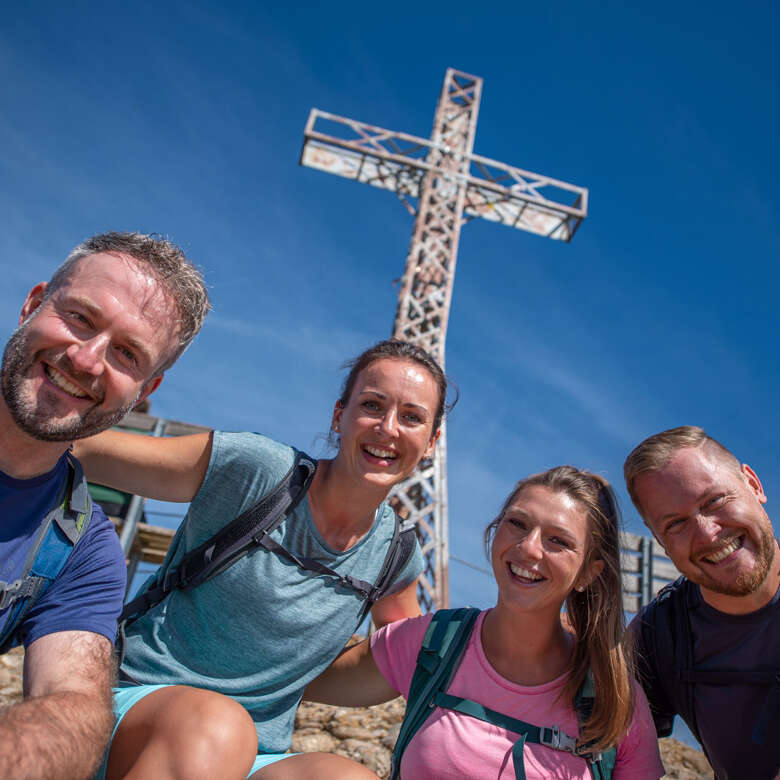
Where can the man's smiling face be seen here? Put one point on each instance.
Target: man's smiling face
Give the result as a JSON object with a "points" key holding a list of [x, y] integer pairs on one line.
{"points": [[81, 358], [708, 514]]}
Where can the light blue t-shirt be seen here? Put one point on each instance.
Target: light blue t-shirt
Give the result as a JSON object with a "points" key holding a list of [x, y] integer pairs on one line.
{"points": [[261, 630]]}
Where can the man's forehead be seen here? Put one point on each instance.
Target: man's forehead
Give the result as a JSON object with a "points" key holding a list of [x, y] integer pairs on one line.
{"points": [[686, 465], [688, 474], [112, 263], [134, 284], [147, 288]]}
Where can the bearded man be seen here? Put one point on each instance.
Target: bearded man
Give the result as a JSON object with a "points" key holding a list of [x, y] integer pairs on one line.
{"points": [[708, 646], [91, 343]]}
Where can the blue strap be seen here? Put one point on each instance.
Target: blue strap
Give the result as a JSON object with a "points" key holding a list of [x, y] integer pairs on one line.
{"points": [[52, 555], [58, 532]]}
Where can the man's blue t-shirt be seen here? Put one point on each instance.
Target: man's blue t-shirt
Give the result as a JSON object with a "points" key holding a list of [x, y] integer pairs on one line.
{"points": [[87, 594]]}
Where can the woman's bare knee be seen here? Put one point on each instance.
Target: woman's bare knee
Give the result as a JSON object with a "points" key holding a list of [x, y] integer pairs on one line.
{"points": [[314, 766], [183, 732]]}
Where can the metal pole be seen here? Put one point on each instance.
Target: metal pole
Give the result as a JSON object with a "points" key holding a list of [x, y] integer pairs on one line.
{"points": [[136, 508], [646, 571]]}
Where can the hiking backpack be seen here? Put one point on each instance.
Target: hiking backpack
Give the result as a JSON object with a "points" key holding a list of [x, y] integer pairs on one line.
{"points": [[54, 541], [442, 649], [253, 529], [668, 642]]}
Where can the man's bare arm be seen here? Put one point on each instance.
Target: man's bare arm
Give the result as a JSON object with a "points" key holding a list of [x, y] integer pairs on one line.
{"points": [[62, 727]]}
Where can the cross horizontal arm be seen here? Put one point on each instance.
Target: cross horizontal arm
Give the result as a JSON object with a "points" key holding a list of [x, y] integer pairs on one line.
{"points": [[398, 161]]}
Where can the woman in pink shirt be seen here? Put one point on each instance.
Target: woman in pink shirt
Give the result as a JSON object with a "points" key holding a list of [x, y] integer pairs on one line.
{"points": [[554, 542]]}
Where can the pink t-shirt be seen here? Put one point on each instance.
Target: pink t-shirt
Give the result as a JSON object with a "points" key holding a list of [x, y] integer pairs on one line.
{"points": [[452, 745]]}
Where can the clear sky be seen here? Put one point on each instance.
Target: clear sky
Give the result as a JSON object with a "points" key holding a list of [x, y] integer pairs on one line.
{"points": [[187, 119]]}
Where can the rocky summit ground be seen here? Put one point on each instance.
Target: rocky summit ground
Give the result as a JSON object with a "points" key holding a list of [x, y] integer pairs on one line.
{"points": [[367, 734]]}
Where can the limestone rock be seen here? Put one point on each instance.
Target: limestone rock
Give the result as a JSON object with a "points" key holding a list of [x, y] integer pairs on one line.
{"points": [[318, 742], [11, 676], [683, 762]]}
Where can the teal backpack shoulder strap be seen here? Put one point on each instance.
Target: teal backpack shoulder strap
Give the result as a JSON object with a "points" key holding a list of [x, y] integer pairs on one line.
{"points": [[57, 534], [601, 764], [441, 650], [437, 661]]}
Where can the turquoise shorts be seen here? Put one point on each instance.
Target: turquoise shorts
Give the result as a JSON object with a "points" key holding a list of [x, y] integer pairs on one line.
{"points": [[125, 698]]}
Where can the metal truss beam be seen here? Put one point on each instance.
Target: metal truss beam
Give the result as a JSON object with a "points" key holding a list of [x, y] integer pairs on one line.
{"points": [[443, 184]]}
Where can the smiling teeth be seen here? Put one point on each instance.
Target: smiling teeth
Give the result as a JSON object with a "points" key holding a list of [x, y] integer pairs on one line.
{"points": [[527, 574], [724, 552], [378, 452], [58, 379]]}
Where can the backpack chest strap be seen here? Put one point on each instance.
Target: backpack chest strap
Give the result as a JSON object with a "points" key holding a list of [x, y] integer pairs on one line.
{"points": [[364, 589], [763, 678], [549, 736]]}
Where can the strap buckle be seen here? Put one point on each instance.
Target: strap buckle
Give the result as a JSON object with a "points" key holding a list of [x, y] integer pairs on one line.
{"points": [[553, 737], [357, 585], [174, 578], [10, 593], [374, 594]]}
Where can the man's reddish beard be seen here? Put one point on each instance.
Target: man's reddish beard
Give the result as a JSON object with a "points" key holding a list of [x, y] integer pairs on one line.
{"points": [[746, 582]]}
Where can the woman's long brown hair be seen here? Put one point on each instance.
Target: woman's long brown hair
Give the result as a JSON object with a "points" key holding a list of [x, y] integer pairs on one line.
{"points": [[595, 614]]}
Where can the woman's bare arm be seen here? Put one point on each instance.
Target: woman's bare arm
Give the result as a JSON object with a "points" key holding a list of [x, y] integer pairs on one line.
{"points": [[168, 469], [397, 606], [352, 680]]}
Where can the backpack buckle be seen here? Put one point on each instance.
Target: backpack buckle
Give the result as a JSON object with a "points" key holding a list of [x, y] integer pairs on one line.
{"points": [[357, 586], [553, 737], [174, 579]]}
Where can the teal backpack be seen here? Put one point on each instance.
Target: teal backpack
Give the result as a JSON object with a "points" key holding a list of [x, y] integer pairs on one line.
{"points": [[438, 659], [56, 537]]}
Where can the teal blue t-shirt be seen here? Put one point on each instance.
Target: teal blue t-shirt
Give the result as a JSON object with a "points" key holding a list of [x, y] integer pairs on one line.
{"points": [[261, 630]]}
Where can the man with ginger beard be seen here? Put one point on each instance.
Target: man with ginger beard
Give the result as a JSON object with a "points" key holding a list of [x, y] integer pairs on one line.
{"points": [[708, 646], [91, 343]]}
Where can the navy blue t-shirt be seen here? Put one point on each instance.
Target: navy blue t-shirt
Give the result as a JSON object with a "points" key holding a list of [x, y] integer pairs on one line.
{"points": [[726, 715], [87, 594]]}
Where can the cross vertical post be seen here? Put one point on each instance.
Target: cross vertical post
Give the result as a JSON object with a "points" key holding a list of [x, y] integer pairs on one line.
{"points": [[424, 307], [451, 185]]}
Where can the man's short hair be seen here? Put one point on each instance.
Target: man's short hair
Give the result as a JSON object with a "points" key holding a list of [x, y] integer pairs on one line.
{"points": [[656, 451], [180, 279]]}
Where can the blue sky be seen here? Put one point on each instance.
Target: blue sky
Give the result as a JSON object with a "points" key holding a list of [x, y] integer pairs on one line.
{"points": [[187, 119]]}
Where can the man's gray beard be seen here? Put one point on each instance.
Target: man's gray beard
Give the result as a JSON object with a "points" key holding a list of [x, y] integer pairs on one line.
{"points": [[749, 582], [17, 361]]}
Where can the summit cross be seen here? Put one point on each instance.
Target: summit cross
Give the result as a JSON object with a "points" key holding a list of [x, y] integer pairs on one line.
{"points": [[443, 184]]}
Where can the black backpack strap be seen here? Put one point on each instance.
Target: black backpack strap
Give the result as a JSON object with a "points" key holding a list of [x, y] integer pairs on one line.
{"points": [[666, 639], [400, 550], [680, 603], [231, 542]]}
